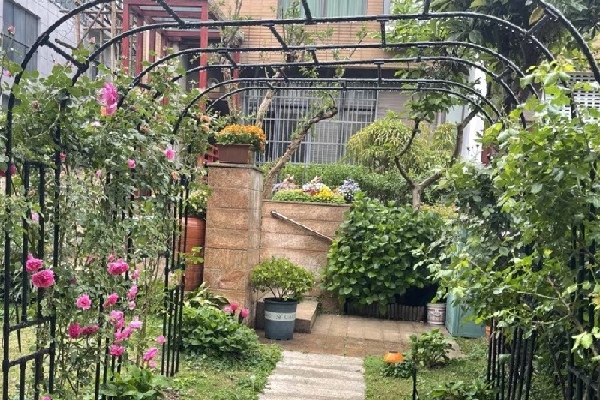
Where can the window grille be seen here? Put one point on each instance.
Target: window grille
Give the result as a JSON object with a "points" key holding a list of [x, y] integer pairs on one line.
{"points": [[326, 143], [327, 8]]}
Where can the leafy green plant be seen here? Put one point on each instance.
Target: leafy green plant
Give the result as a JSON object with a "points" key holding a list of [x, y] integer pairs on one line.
{"points": [[380, 252], [196, 201], [209, 330], [430, 349], [136, 384], [284, 279], [202, 297], [477, 390], [403, 369]]}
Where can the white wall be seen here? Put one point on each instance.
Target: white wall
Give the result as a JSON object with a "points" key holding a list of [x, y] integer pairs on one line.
{"points": [[48, 13]]}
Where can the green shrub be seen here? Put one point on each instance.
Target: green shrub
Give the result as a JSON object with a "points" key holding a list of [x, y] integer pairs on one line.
{"points": [[402, 369], [477, 390], [202, 296], [136, 384], [385, 186], [284, 279], [380, 251], [430, 349], [209, 330]]}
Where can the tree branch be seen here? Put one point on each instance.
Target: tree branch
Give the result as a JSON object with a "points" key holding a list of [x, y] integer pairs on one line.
{"points": [[410, 182], [410, 141]]}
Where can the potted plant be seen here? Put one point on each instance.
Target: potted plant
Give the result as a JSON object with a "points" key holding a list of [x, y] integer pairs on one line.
{"points": [[288, 283], [195, 233], [237, 143]]}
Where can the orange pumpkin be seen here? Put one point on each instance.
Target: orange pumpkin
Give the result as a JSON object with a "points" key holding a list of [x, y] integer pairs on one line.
{"points": [[393, 357]]}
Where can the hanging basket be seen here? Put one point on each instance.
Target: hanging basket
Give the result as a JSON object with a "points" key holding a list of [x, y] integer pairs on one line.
{"points": [[236, 153]]}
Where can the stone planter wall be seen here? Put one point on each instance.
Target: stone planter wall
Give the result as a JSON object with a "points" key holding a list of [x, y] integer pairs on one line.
{"points": [[240, 232]]}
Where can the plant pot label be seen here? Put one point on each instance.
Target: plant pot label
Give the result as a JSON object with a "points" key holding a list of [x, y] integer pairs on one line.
{"points": [[275, 316]]}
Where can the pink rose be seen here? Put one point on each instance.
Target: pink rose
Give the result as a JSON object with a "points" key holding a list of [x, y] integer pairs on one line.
{"points": [[109, 95], [131, 163], [116, 316], [74, 330], [161, 339], [43, 279], [132, 292], [234, 305], [99, 173], [111, 300], [122, 335], [227, 309], [244, 313], [170, 154], [11, 29], [150, 354], [151, 364], [135, 274], [135, 323], [33, 264], [131, 305], [118, 267], [92, 40], [116, 350], [89, 330], [35, 217], [83, 302]]}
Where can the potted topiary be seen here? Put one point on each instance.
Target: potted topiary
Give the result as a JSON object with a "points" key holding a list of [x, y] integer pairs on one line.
{"points": [[288, 283]]}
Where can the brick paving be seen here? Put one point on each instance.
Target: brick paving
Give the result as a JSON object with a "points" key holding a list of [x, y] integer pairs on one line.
{"points": [[353, 336]]}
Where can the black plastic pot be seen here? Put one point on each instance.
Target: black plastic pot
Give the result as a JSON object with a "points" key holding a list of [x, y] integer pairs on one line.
{"points": [[280, 317]]}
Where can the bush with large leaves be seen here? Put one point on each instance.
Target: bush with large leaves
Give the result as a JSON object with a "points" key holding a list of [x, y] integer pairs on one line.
{"points": [[381, 250]]}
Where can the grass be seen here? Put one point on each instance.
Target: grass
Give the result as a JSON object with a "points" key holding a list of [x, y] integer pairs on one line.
{"points": [[472, 367], [206, 378], [467, 369]]}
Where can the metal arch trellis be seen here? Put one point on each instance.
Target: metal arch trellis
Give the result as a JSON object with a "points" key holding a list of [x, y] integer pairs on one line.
{"points": [[439, 85]]}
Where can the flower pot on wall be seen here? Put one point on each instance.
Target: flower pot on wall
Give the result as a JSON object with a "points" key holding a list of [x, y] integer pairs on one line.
{"points": [[236, 153], [280, 317], [196, 233]]}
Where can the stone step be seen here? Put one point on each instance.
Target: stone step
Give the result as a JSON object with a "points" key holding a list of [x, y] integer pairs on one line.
{"points": [[301, 376], [306, 315]]}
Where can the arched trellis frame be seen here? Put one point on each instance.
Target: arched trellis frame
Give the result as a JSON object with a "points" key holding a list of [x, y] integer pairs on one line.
{"points": [[465, 93]]}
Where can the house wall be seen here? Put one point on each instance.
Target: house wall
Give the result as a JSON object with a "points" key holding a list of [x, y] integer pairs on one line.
{"points": [[262, 36], [48, 13]]}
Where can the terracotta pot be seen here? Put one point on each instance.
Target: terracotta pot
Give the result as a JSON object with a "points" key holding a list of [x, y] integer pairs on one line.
{"points": [[393, 357], [196, 234], [236, 153]]}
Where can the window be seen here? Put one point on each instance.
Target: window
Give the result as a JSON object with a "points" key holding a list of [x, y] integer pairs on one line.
{"points": [[26, 33], [328, 8]]}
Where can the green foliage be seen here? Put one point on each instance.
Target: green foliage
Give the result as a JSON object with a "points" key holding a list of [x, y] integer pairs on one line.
{"points": [[430, 349], [282, 278], [380, 251], [324, 196], [136, 384], [209, 330], [378, 145], [403, 369], [202, 297], [459, 390], [386, 186]]}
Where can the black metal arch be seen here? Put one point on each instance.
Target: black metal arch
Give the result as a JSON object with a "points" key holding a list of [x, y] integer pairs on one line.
{"points": [[450, 92], [418, 82]]}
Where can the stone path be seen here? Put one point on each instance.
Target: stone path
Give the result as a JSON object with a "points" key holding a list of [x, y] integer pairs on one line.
{"points": [[301, 376]]}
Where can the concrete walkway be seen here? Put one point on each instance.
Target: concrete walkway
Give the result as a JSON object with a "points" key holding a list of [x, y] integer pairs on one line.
{"points": [[301, 376]]}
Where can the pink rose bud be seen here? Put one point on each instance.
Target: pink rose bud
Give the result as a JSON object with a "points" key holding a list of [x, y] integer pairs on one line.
{"points": [[244, 313], [11, 29], [131, 163]]}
